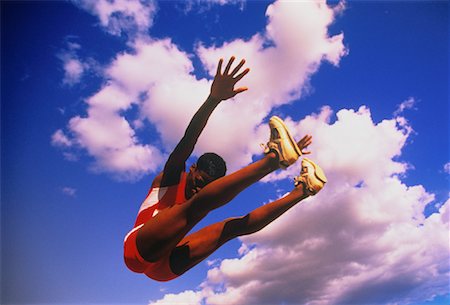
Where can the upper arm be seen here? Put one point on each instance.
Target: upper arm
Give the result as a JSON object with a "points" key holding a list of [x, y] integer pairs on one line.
{"points": [[177, 159], [171, 176], [175, 165]]}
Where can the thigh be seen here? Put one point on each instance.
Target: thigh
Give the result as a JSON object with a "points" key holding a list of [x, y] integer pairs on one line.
{"points": [[161, 233], [197, 246]]}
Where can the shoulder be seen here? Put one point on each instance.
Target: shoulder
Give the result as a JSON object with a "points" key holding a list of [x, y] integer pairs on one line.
{"points": [[157, 181], [163, 179]]}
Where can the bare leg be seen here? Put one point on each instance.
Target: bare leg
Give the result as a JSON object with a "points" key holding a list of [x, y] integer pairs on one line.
{"points": [[195, 247], [161, 234]]}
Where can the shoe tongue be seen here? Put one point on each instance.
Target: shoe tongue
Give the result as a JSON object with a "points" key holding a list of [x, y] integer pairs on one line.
{"points": [[274, 134]]}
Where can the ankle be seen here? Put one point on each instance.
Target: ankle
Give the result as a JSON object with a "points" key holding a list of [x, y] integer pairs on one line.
{"points": [[299, 192], [273, 159]]}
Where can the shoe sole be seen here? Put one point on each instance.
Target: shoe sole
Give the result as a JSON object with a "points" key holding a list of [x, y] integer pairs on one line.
{"points": [[318, 172], [291, 139]]}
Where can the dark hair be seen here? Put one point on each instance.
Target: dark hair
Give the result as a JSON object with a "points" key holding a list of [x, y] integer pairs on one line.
{"points": [[212, 164]]}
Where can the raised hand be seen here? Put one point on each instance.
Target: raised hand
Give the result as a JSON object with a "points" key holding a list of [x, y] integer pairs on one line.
{"points": [[222, 87], [304, 143]]}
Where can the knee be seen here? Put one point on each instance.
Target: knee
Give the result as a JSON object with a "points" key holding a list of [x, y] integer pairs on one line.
{"points": [[238, 226]]}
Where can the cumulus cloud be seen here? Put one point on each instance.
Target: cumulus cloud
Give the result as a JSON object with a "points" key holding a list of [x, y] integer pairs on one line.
{"points": [[362, 240], [109, 138], [73, 66], [281, 66], [407, 104], [157, 78], [185, 298], [358, 127], [117, 17], [220, 2], [69, 191], [447, 167], [202, 6], [363, 233], [73, 71], [60, 139]]}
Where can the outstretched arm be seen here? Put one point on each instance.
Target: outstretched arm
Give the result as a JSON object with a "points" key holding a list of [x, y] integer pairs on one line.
{"points": [[222, 89]]}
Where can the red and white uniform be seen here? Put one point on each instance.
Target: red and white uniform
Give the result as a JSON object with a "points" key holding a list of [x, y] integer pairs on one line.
{"points": [[158, 198]]}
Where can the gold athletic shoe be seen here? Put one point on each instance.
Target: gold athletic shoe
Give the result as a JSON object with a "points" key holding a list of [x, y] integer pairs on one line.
{"points": [[311, 176], [282, 142]]}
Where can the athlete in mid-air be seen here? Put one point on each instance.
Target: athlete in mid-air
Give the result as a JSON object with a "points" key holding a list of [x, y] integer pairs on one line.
{"points": [[159, 244]]}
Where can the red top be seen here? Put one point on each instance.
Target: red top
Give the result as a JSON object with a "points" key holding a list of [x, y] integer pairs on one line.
{"points": [[159, 198]]}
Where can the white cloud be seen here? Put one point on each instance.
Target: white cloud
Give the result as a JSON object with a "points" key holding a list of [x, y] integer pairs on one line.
{"points": [[221, 2], [353, 243], [407, 104], [201, 6], [74, 67], [60, 139], [362, 240], [447, 167], [185, 298], [157, 78], [69, 191], [73, 71], [364, 237], [109, 138], [69, 156], [279, 74], [352, 144], [130, 17]]}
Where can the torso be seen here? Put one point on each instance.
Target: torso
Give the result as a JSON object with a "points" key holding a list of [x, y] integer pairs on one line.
{"points": [[161, 197]]}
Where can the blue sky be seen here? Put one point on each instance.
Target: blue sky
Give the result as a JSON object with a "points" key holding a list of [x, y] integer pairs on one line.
{"points": [[88, 120]]}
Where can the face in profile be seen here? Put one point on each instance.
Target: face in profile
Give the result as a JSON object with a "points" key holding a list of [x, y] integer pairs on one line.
{"points": [[196, 180]]}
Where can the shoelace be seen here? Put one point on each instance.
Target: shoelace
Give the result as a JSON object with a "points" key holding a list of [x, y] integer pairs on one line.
{"points": [[265, 147]]}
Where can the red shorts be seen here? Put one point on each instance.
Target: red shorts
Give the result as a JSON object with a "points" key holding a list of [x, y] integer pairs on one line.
{"points": [[159, 270]]}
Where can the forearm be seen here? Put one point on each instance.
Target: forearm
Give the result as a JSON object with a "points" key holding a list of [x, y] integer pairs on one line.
{"points": [[199, 120], [222, 88]]}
